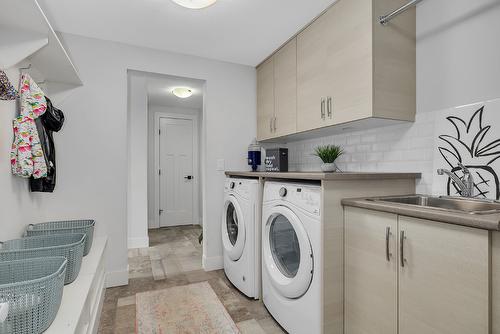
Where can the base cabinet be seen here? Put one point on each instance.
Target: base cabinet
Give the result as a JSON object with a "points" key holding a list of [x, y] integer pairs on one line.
{"points": [[371, 272], [406, 275], [444, 283]]}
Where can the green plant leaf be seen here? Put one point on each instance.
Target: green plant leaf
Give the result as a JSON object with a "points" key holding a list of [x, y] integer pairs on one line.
{"points": [[328, 153]]}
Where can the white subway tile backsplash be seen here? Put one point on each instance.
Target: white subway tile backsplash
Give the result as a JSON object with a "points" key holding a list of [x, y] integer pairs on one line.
{"points": [[396, 148], [353, 139]]}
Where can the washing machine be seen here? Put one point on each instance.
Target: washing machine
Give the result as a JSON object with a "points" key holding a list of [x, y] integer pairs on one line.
{"points": [[241, 234], [291, 255]]}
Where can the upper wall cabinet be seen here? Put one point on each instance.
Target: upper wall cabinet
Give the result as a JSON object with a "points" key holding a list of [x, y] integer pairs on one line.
{"points": [[265, 99], [277, 93], [350, 68]]}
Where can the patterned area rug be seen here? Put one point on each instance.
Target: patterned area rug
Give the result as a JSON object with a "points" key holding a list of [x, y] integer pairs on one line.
{"points": [[193, 308]]}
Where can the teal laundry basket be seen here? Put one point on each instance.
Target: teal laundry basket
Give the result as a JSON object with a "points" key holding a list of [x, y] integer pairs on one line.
{"points": [[70, 246], [65, 226], [33, 289]]}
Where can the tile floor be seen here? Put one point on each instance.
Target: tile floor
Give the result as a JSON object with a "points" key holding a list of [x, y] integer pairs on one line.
{"points": [[174, 259]]}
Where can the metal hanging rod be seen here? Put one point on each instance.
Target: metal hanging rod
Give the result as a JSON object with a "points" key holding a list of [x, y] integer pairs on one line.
{"points": [[386, 18]]}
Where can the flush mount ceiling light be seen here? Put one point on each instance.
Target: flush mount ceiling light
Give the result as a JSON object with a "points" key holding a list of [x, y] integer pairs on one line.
{"points": [[182, 92], [194, 4]]}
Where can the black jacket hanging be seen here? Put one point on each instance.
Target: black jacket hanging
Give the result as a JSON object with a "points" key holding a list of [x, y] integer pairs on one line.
{"points": [[51, 121]]}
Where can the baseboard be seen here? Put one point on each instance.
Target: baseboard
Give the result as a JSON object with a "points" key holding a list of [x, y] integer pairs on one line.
{"points": [[213, 263], [116, 278], [152, 224], [138, 242]]}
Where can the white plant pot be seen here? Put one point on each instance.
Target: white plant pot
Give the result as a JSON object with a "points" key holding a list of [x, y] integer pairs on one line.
{"points": [[328, 168]]}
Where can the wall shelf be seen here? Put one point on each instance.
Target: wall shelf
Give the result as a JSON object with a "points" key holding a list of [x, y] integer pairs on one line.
{"points": [[26, 35]]}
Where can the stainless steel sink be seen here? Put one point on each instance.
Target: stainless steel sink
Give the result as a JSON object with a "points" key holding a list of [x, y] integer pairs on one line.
{"points": [[462, 204]]}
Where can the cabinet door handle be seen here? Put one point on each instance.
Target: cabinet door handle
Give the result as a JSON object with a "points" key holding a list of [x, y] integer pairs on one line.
{"points": [[387, 238], [274, 125], [329, 107], [402, 238], [322, 108], [271, 124]]}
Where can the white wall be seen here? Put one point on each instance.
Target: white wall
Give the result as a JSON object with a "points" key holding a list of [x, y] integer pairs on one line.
{"points": [[101, 109], [92, 146], [152, 110], [458, 62], [137, 161]]}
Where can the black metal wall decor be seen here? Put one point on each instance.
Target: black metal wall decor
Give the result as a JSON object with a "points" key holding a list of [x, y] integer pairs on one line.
{"points": [[471, 147]]}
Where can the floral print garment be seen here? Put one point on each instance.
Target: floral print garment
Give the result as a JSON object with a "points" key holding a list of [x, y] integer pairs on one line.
{"points": [[7, 91], [26, 157]]}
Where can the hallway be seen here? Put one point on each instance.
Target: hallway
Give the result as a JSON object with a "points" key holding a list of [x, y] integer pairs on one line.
{"points": [[174, 259]]}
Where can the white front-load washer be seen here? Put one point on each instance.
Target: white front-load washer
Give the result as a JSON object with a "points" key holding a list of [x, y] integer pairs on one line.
{"points": [[291, 255], [241, 234]]}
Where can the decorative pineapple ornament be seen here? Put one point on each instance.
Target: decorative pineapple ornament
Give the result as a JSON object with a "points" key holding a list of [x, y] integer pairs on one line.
{"points": [[467, 147]]}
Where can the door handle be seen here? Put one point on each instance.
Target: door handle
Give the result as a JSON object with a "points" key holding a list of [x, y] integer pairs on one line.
{"points": [[274, 124], [188, 177], [271, 124], [387, 238], [329, 107], [402, 238], [322, 108]]}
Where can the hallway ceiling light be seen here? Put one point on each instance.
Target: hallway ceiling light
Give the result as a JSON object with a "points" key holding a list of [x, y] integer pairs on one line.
{"points": [[194, 4], [182, 92]]}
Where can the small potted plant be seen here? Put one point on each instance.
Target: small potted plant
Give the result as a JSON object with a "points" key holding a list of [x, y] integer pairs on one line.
{"points": [[328, 154]]}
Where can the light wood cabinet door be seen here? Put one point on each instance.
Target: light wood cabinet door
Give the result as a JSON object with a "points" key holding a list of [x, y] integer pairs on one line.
{"points": [[285, 89], [370, 272], [334, 59], [444, 283], [265, 99]]}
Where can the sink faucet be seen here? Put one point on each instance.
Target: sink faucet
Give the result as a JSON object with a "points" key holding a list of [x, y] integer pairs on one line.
{"points": [[465, 183]]}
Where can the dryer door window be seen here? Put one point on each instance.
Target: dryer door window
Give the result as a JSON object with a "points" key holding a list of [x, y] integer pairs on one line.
{"points": [[287, 253], [284, 246], [232, 223], [233, 229]]}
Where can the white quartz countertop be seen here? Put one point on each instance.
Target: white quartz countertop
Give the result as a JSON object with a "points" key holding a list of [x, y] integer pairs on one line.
{"points": [[324, 176]]}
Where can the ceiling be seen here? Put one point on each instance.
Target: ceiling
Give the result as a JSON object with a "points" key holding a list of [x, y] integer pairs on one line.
{"points": [[238, 31], [159, 88]]}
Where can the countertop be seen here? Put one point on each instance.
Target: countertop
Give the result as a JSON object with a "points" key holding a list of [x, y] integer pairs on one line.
{"points": [[482, 221], [325, 176]]}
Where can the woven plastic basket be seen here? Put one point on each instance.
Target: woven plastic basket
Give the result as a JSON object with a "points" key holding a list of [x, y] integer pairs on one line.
{"points": [[65, 226], [69, 246], [33, 289]]}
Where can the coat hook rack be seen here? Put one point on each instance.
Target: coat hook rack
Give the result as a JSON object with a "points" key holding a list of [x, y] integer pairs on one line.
{"points": [[25, 68]]}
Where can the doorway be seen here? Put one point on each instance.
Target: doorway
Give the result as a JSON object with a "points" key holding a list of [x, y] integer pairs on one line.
{"points": [[164, 136], [176, 159]]}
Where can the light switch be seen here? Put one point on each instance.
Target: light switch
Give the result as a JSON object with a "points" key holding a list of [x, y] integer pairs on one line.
{"points": [[221, 164]]}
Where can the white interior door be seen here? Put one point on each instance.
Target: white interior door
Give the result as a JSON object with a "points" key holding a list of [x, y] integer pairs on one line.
{"points": [[176, 177]]}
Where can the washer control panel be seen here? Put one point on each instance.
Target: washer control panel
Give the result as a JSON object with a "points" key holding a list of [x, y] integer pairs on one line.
{"points": [[241, 187], [305, 196]]}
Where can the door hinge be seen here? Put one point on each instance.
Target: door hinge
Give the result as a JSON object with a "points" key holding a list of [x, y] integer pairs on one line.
{"points": [[160, 212]]}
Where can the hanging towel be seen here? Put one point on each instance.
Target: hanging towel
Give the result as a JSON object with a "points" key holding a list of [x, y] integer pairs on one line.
{"points": [[7, 91], [26, 155]]}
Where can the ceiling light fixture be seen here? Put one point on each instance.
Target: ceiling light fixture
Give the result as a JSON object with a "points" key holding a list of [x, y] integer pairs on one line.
{"points": [[182, 92], [195, 4]]}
